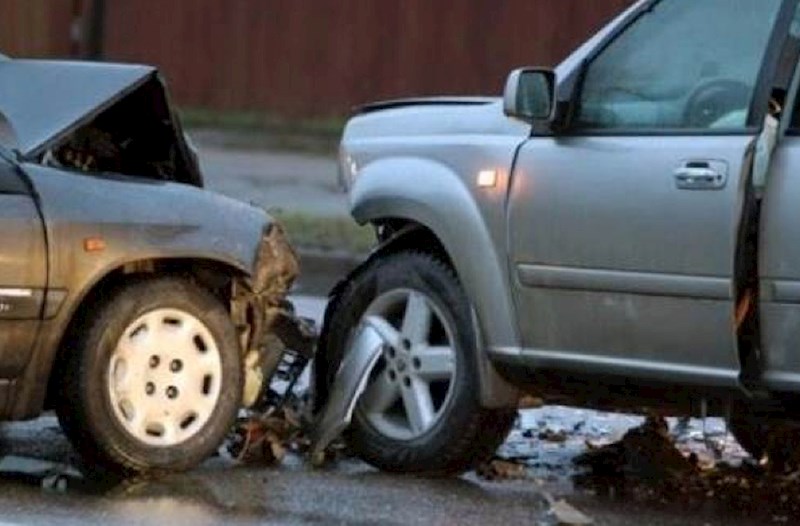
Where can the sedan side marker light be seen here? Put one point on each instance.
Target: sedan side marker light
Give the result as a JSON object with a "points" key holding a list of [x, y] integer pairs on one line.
{"points": [[94, 244]]}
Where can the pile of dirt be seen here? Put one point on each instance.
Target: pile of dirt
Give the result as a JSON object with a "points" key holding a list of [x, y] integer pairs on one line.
{"points": [[646, 465]]}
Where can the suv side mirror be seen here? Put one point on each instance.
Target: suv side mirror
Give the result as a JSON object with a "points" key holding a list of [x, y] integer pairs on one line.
{"points": [[530, 95]]}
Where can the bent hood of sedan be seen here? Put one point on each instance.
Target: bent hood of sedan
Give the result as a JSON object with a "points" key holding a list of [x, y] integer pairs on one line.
{"points": [[43, 103]]}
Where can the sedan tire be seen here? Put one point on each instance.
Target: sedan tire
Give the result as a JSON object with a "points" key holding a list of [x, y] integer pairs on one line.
{"points": [[153, 381]]}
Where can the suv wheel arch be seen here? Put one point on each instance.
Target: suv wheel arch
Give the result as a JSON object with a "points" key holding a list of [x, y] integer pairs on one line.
{"points": [[397, 235]]}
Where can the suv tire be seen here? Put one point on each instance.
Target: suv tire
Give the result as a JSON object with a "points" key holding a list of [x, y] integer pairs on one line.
{"points": [[751, 432], [153, 381], [421, 411], [766, 437]]}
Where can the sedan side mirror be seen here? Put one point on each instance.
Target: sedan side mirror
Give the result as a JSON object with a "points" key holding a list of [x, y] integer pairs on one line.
{"points": [[530, 95]]}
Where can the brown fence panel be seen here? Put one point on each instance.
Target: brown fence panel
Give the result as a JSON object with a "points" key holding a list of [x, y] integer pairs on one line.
{"points": [[316, 57], [303, 57], [36, 28]]}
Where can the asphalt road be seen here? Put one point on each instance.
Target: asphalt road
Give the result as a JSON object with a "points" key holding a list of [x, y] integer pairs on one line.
{"points": [[275, 180], [351, 493], [40, 485]]}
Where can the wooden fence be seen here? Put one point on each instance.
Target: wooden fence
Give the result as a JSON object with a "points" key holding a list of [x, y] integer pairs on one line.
{"points": [[318, 57]]}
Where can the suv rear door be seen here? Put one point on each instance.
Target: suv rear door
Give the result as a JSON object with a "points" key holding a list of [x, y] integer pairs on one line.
{"points": [[779, 251], [624, 230], [23, 271]]}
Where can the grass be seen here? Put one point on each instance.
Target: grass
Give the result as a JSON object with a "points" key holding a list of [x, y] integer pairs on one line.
{"points": [[326, 233], [255, 120], [253, 129]]}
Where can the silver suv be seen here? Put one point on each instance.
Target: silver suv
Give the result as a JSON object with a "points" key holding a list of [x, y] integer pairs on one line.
{"points": [[621, 232]]}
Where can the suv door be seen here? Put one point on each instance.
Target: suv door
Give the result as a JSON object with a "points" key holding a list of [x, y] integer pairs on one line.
{"points": [[23, 271], [779, 251], [623, 231]]}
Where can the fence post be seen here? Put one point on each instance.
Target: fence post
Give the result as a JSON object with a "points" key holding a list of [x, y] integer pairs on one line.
{"points": [[94, 30]]}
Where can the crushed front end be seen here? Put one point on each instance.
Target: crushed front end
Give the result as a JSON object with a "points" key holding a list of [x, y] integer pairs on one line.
{"points": [[273, 338]]}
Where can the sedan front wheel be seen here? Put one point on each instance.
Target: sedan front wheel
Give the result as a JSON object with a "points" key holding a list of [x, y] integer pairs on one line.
{"points": [[153, 381]]}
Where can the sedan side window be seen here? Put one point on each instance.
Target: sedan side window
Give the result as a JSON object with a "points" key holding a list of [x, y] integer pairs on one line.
{"points": [[682, 65], [10, 181]]}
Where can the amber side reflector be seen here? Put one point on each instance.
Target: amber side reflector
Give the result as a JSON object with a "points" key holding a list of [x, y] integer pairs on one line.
{"points": [[487, 178], [94, 244]]}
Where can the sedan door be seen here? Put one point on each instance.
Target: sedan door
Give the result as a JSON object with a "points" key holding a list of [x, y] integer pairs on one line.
{"points": [[624, 230], [23, 271]]}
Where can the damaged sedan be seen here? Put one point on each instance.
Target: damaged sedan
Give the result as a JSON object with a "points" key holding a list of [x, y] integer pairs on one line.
{"points": [[144, 310]]}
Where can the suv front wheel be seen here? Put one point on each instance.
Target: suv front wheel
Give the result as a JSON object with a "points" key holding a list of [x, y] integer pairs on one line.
{"points": [[420, 412]]}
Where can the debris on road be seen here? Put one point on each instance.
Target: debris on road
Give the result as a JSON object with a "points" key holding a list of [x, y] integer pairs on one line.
{"points": [[499, 469], [530, 402], [348, 385], [646, 453], [265, 439], [568, 515], [555, 436], [647, 465]]}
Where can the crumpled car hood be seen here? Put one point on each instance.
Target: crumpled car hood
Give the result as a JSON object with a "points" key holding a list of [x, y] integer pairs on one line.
{"points": [[42, 102]]}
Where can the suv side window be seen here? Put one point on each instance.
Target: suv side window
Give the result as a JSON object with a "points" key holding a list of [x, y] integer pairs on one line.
{"points": [[682, 65]]}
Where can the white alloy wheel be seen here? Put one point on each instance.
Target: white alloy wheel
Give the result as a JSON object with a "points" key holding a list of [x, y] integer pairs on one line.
{"points": [[164, 377], [421, 410], [413, 383]]}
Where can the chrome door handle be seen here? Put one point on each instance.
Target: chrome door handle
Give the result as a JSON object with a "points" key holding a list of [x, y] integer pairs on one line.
{"points": [[699, 178]]}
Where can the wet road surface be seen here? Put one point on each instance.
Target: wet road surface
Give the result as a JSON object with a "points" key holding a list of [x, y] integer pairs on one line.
{"points": [[221, 491]]}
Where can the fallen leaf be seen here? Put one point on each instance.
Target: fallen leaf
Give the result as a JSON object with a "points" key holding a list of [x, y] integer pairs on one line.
{"points": [[549, 435], [530, 402], [499, 469]]}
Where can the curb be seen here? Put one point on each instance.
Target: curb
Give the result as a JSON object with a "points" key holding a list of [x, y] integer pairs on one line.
{"points": [[321, 270]]}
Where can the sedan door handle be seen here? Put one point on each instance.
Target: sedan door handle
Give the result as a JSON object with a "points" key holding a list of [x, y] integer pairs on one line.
{"points": [[699, 178]]}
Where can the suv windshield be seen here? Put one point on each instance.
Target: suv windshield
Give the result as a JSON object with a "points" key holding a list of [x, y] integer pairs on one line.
{"points": [[681, 65]]}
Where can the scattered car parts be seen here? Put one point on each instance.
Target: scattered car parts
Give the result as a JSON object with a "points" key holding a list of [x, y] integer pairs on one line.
{"points": [[351, 380]]}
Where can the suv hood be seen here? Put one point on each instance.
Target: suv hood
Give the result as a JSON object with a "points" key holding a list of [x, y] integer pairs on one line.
{"points": [[422, 101], [42, 103], [433, 116]]}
